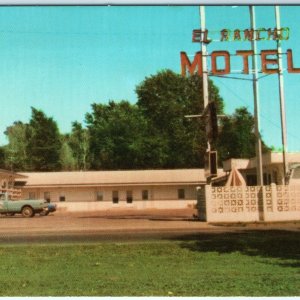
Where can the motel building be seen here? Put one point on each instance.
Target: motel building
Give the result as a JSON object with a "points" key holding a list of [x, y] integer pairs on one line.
{"points": [[272, 169], [232, 196], [103, 190]]}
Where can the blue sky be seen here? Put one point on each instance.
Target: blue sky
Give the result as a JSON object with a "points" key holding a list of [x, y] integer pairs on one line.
{"points": [[62, 59]]}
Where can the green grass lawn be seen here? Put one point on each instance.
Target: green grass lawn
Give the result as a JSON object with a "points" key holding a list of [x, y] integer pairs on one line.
{"points": [[250, 264]]}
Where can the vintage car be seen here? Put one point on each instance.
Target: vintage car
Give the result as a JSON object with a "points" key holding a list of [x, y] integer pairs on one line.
{"points": [[28, 208]]}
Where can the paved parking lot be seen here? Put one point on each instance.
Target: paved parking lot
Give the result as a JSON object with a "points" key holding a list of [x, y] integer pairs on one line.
{"points": [[115, 225], [113, 220]]}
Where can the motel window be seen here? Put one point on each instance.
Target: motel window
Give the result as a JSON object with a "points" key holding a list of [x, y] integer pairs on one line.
{"points": [[129, 196], [266, 179], [275, 177], [47, 196], [99, 196], [145, 195], [62, 198], [115, 197], [181, 193], [31, 195]]}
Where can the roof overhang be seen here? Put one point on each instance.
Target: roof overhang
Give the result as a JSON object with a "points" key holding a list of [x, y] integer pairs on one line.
{"points": [[269, 158], [12, 174], [103, 185]]}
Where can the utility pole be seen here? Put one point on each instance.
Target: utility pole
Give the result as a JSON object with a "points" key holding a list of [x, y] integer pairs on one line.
{"points": [[259, 170], [281, 97]]}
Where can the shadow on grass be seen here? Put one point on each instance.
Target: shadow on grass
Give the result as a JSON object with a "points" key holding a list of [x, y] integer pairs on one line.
{"points": [[281, 244]]}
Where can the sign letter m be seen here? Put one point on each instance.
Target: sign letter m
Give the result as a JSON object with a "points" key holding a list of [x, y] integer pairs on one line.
{"points": [[191, 67]]}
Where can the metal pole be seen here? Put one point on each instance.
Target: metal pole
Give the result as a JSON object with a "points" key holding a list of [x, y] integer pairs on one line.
{"points": [[204, 66], [204, 74], [281, 95], [204, 59], [259, 171]]}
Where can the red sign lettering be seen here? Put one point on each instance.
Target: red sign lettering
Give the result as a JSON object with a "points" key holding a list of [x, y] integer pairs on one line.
{"points": [[266, 61], [214, 68]]}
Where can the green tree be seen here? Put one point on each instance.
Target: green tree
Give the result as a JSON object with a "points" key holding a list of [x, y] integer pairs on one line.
{"points": [[2, 158], [44, 144], [67, 160], [16, 150], [79, 144], [117, 136], [165, 99], [237, 138]]}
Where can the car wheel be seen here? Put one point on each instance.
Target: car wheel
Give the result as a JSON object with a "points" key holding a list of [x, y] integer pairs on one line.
{"points": [[27, 212]]}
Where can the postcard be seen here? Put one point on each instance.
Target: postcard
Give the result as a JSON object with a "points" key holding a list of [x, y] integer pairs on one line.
{"points": [[149, 150]]}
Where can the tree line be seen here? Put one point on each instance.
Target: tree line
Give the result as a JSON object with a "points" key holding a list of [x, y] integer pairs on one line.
{"points": [[150, 134]]}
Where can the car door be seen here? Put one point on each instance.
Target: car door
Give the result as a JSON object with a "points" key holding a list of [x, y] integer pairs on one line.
{"points": [[2, 203]]}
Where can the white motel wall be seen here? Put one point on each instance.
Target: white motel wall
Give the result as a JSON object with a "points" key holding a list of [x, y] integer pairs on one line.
{"points": [[85, 198], [103, 190]]}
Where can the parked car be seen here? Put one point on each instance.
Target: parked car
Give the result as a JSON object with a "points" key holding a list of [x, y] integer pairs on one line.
{"points": [[51, 208], [27, 207]]}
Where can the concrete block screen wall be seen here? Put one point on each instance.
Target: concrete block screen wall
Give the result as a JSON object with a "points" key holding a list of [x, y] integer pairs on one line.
{"points": [[252, 203]]}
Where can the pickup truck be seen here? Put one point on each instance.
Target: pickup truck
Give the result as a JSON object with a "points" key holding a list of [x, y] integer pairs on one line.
{"points": [[27, 208]]}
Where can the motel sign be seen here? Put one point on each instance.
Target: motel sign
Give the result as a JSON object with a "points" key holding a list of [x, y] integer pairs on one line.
{"points": [[269, 58], [271, 63], [227, 35]]}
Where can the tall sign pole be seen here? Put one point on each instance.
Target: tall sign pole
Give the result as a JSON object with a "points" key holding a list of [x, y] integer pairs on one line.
{"points": [[204, 58], [259, 170], [204, 79], [281, 95]]}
